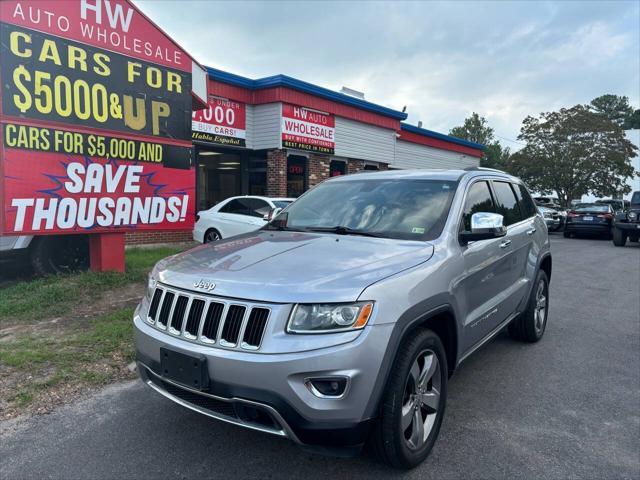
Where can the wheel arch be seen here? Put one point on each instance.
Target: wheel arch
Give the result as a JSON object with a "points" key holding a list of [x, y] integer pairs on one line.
{"points": [[546, 265], [440, 319]]}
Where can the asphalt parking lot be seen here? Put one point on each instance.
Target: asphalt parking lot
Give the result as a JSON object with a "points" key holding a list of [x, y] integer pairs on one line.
{"points": [[567, 407]]}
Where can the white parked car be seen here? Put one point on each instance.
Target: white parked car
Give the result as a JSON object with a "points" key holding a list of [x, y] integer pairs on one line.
{"points": [[234, 216]]}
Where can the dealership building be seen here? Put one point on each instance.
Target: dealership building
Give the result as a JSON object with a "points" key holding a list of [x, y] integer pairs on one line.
{"points": [[279, 136]]}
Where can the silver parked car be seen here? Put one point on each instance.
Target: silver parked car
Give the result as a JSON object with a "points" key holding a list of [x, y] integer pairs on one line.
{"points": [[343, 319]]}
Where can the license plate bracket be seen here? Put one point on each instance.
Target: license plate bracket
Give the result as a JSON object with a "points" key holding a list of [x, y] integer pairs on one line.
{"points": [[189, 370], [587, 218]]}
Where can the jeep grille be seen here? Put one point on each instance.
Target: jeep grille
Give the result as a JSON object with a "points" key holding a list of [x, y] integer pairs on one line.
{"points": [[208, 320]]}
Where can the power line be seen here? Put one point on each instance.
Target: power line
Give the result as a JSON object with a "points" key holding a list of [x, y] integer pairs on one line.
{"points": [[509, 140]]}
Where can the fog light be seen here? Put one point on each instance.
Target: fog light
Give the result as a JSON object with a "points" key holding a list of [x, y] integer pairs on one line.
{"points": [[329, 387]]}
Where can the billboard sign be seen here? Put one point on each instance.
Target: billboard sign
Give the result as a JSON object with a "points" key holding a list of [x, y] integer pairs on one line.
{"points": [[223, 122], [96, 120], [306, 129]]}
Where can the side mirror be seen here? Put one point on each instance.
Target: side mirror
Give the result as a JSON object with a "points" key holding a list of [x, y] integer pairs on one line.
{"points": [[484, 225], [271, 214]]}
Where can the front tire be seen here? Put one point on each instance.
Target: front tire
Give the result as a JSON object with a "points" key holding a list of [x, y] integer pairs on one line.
{"points": [[531, 324], [619, 237], [413, 402], [60, 254]]}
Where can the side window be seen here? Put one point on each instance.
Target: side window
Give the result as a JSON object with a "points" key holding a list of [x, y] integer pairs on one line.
{"points": [[234, 206], [478, 200], [527, 206], [507, 203], [257, 207]]}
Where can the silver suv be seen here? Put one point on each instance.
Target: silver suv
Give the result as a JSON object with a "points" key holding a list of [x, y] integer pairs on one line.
{"points": [[343, 319]]}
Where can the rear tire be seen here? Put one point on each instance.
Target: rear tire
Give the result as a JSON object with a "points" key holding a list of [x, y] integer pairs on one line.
{"points": [[619, 237], [531, 324], [212, 235], [413, 402]]}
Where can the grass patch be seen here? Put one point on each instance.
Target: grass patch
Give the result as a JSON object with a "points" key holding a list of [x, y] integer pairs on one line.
{"points": [[57, 295], [86, 354]]}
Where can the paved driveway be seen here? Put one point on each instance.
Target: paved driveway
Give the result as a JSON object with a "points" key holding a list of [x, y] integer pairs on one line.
{"points": [[568, 406]]}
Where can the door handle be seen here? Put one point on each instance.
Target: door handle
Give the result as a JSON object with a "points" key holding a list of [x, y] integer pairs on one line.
{"points": [[531, 232], [505, 243]]}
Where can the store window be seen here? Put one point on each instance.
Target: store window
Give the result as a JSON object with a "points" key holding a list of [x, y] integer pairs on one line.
{"points": [[296, 175], [219, 177], [258, 176], [370, 166], [337, 168]]}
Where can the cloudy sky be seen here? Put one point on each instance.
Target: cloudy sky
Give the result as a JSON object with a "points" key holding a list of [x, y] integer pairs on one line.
{"points": [[504, 60]]}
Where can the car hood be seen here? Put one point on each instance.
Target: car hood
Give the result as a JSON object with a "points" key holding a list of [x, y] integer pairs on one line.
{"points": [[290, 267]]}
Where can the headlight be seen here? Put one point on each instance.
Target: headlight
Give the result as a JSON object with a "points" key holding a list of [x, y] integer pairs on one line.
{"points": [[331, 317], [632, 216], [152, 281]]}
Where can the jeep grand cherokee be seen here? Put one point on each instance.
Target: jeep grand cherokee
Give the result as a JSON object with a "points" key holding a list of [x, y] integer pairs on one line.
{"points": [[342, 320]]}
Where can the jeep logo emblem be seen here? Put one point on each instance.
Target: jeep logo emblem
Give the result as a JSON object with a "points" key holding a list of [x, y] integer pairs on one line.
{"points": [[204, 285]]}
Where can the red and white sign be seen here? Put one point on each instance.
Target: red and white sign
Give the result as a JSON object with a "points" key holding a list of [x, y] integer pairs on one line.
{"points": [[95, 104], [109, 24], [56, 194], [306, 129], [223, 122]]}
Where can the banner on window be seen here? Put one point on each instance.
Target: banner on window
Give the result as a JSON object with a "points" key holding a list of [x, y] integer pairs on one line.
{"points": [[223, 122]]}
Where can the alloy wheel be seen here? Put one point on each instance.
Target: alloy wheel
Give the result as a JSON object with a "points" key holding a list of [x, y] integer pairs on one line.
{"points": [[540, 309], [211, 236], [421, 399]]}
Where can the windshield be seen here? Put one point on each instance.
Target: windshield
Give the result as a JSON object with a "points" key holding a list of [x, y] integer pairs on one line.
{"points": [[592, 207], [281, 203], [401, 209], [635, 199]]}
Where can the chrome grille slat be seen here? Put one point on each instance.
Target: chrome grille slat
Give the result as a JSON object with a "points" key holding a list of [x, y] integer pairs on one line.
{"points": [[166, 309], [207, 320], [177, 315]]}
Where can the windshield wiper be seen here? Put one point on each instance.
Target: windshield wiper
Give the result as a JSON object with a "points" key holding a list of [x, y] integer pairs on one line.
{"points": [[281, 228], [341, 230]]}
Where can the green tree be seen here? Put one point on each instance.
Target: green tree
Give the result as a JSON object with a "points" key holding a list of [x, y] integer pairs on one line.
{"points": [[496, 156], [475, 129], [573, 152], [615, 107], [633, 121]]}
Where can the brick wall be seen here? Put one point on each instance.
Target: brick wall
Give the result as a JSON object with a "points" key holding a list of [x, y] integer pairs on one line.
{"points": [[354, 166], [383, 166], [318, 168], [165, 236], [277, 173]]}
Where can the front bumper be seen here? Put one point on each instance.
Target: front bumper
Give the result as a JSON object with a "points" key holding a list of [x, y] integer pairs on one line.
{"points": [[273, 384]]}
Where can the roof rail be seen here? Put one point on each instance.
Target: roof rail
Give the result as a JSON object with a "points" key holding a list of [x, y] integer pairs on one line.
{"points": [[484, 169]]}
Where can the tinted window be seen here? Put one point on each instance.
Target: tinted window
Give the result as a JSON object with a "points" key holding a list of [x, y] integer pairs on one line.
{"points": [[256, 207], [235, 206], [592, 207], [635, 199], [507, 203], [281, 203], [527, 206], [392, 208], [478, 200]]}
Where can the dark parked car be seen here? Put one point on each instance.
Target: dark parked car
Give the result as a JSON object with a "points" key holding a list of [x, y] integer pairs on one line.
{"points": [[618, 205], [592, 218], [627, 223]]}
